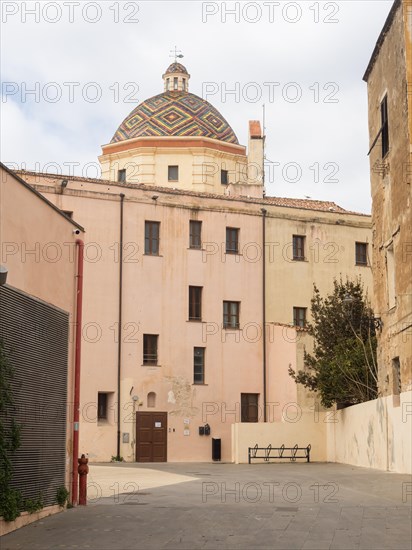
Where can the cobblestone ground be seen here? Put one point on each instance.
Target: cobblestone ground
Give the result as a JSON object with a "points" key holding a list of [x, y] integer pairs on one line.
{"points": [[258, 506]]}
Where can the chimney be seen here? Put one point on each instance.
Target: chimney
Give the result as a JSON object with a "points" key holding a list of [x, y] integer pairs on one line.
{"points": [[255, 153]]}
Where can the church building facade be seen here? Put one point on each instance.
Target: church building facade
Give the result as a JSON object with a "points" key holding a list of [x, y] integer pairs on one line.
{"points": [[197, 286]]}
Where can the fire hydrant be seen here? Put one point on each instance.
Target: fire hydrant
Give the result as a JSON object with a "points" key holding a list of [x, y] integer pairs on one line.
{"points": [[83, 470]]}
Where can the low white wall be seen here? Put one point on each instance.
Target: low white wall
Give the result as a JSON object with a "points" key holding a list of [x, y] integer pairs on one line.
{"points": [[376, 434], [26, 518], [309, 428]]}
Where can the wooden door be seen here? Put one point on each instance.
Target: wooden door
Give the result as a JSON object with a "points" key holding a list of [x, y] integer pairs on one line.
{"points": [[151, 437], [249, 407]]}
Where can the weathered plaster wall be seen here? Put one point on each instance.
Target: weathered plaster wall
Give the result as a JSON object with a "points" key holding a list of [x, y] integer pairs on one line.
{"points": [[329, 253], [391, 180], [375, 434]]}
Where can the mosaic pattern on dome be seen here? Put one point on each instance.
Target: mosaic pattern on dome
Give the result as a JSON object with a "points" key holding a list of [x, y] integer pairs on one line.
{"points": [[175, 114], [176, 68]]}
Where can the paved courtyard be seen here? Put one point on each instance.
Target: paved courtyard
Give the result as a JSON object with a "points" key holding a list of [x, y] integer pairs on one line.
{"points": [[208, 506]]}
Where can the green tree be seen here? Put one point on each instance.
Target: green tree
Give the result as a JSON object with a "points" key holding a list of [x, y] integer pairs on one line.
{"points": [[342, 368], [10, 499]]}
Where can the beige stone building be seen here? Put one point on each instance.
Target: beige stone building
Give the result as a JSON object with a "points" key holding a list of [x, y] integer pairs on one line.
{"points": [[389, 80], [197, 286]]}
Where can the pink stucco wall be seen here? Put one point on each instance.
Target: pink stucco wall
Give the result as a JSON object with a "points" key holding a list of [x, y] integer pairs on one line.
{"points": [[38, 248]]}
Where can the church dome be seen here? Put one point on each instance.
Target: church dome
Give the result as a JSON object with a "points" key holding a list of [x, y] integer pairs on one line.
{"points": [[175, 113]]}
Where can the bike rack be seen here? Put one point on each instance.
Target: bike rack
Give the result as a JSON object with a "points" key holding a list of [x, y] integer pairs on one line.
{"points": [[269, 453]]}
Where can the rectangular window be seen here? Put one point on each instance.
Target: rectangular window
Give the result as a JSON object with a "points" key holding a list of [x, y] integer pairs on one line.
{"points": [[384, 126], [390, 277], [195, 303], [231, 314], [361, 253], [249, 403], [173, 173], [150, 349], [175, 83], [102, 406], [396, 367], [232, 240], [224, 177], [195, 234], [298, 247], [121, 176], [299, 316], [199, 365], [151, 238]]}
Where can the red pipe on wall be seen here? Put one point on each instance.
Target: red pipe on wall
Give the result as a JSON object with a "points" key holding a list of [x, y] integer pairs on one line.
{"points": [[77, 358]]}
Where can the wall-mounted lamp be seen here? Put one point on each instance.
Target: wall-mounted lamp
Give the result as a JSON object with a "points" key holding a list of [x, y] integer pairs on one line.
{"points": [[155, 197], [377, 321], [3, 275], [64, 184]]}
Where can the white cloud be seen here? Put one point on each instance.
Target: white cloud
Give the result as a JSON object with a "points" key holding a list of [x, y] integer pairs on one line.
{"points": [[107, 53]]}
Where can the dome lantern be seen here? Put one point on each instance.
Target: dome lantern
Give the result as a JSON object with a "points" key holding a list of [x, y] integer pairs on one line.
{"points": [[176, 78]]}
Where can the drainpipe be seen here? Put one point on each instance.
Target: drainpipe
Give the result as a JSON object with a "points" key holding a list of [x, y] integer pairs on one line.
{"points": [[119, 348], [77, 358], [264, 212]]}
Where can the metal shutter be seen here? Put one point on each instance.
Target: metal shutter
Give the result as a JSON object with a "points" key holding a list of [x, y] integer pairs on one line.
{"points": [[35, 336]]}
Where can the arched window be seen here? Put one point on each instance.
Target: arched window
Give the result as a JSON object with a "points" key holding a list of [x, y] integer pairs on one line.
{"points": [[184, 84], [151, 399], [167, 84], [175, 83]]}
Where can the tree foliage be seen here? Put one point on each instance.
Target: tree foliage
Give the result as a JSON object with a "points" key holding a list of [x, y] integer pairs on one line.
{"points": [[10, 499], [342, 368]]}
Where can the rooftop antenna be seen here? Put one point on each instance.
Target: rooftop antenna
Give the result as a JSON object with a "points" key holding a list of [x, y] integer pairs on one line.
{"points": [[176, 54], [264, 147]]}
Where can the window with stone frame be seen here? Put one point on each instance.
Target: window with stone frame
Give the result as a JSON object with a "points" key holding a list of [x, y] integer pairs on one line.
{"points": [[195, 303], [198, 365], [150, 343], [298, 242], [361, 253], [231, 311], [299, 316]]}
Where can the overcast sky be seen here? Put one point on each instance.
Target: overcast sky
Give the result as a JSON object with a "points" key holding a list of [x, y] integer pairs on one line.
{"points": [[303, 60]]}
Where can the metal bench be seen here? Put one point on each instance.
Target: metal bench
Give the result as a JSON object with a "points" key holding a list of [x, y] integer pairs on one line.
{"points": [[270, 453]]}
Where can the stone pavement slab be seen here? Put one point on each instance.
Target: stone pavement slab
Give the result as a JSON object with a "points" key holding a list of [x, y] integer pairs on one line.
{"points": [[228, 506]]}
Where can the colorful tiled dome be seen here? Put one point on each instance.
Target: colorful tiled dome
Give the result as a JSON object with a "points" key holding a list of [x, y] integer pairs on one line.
{"points": [[176, 68], [175, 113]]}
